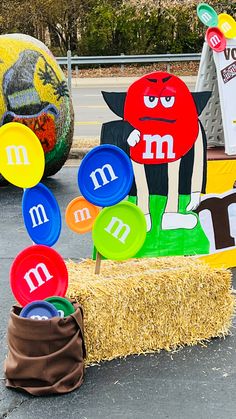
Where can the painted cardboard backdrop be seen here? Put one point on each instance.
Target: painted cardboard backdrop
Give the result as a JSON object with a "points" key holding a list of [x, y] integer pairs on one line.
{"points": [[160, 131]]}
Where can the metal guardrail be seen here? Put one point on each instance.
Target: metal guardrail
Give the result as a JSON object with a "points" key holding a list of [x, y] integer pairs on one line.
{"points": [[122, 59], [127, 59]]}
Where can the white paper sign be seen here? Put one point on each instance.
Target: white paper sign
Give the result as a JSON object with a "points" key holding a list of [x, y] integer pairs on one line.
{"points": [[225, 62]]}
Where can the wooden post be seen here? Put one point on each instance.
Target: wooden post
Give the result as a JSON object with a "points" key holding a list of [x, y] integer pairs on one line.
{"points": [[98, 263]]}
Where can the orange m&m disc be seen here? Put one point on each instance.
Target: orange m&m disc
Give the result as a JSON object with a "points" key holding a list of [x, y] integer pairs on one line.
{"points": [[80, 215]]}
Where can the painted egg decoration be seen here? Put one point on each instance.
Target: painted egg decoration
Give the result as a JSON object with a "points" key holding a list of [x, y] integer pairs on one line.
{"points": [[34, 92]]}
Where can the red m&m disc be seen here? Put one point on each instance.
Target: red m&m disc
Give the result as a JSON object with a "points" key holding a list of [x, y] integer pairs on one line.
{"points": [[216, 39], [38, 272]]}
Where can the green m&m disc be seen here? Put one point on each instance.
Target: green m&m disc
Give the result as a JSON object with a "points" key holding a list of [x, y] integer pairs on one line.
{"points": [[63, 306], [207, 14], [119, 231]]}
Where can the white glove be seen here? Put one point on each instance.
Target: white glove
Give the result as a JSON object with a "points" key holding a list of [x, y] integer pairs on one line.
{"points": [[194, 201], [133, 138]]}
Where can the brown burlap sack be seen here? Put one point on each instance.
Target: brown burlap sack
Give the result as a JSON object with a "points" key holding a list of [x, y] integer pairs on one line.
{"points": [[45, 356]]}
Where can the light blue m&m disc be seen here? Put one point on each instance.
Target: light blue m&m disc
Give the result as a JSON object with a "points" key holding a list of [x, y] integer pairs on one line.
{"points": [[41, 215], [105, 175]]}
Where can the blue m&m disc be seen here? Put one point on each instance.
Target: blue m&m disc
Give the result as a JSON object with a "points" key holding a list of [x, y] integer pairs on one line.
{"points": [[41, 215], [39, 310], [105, 175]]}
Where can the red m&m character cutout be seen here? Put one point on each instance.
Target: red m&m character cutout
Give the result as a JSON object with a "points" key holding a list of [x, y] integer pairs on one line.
{"points": [[165, 132]]}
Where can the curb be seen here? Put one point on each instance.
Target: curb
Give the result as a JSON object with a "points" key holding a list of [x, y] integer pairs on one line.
{"points": [[101, 81], [104, 81], [77, 153]]}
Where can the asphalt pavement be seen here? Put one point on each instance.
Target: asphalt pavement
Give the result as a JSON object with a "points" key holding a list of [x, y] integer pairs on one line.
{"points": [[193, 383]]}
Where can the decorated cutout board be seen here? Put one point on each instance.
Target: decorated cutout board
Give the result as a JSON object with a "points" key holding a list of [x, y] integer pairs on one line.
{"points": [[167, 149], [160, 131]]}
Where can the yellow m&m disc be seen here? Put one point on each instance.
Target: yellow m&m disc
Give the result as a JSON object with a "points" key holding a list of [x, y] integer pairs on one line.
{"points": [[227, 25], [22, 158]]}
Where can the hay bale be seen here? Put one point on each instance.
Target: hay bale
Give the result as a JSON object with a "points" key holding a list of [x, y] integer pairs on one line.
{"points": [[145, 305]]}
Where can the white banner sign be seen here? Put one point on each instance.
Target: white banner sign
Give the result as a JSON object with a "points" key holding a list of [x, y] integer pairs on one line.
{"points": [[225, 62]]}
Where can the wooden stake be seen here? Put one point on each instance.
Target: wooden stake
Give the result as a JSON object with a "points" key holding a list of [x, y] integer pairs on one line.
{"points": [[98, 263]]}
